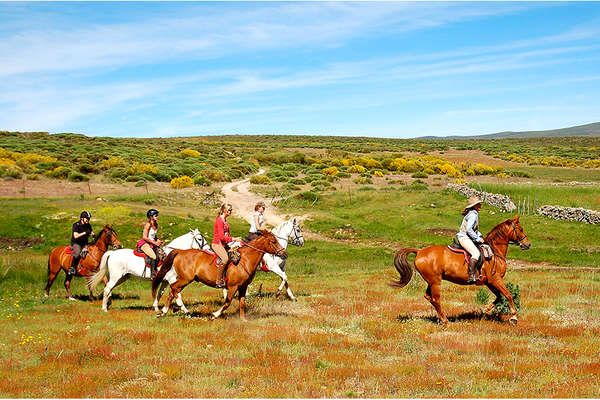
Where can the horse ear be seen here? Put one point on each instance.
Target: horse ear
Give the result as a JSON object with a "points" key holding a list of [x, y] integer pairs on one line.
{"points": [[516, 218], [294, 221]]}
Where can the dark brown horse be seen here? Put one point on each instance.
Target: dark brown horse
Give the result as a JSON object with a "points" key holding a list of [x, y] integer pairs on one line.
{"points": [[435, 263], [59, 259], [196, 265]]}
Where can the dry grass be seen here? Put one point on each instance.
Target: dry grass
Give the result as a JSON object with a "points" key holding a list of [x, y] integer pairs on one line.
{"points": [[347, 336]]}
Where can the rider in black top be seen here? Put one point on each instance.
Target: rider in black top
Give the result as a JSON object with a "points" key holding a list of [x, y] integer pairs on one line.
{"points": [[79, 238]]}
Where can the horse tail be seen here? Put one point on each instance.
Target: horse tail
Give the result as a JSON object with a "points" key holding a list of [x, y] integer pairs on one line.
{"points": [[166, 266], [403, 267], [95, 279]]}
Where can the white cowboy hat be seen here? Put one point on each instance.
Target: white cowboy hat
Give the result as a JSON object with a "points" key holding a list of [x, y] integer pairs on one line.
{"points": [[473, 201]]}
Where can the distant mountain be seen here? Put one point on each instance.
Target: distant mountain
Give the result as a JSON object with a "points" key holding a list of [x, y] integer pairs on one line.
{"points": [[581, 130]]}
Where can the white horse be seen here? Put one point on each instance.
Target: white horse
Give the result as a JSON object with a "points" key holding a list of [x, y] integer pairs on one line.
{"points": [[122, 264], [283, 232]]}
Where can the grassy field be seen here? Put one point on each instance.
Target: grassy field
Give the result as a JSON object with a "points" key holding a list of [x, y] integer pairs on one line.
{"points": [[349, 335]]}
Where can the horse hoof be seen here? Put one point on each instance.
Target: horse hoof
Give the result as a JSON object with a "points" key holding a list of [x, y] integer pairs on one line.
{"points": [[46, 295], [72, 299], [513, 320]]}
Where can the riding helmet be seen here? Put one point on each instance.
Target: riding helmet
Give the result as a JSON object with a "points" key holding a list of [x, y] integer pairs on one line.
{"points": [[85, 214], [151, 212]]}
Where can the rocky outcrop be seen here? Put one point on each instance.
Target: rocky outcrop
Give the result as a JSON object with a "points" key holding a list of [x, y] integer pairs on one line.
{"points": [[501, 201], [570, 214]]}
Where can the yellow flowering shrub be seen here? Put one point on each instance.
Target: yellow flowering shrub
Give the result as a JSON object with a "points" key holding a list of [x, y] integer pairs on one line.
{"points": [[138, 168], [112, 162], [182, 182], [190, 153], [331, 171], [357, 169], [378, 173]]}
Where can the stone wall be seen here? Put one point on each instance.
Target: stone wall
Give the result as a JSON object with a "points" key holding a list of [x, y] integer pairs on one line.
{"points": [[570, 214], [499, 200]]}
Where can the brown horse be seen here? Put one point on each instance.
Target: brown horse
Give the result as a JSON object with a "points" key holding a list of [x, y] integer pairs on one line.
{"points": [[435, 263], [196, 265], [59, 259]]}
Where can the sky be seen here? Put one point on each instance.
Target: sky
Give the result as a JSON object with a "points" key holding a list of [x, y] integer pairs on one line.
{"points": [[377, 69]]}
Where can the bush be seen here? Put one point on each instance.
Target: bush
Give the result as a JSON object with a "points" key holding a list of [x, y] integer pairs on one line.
{"points": [[343, 174], [58, 173], [112, 162], [331, 171], [502, 307], [214, 175], [378, 174], [298, 181], [290, 186], [33, 177], [190, 153], [140, 168], [357, 169], [10, 171], [419, 174], [86, 168], [202, 181], [260, 180], [311, 197], [140, 183], [363, 180], [182, 182], [75, 176]]}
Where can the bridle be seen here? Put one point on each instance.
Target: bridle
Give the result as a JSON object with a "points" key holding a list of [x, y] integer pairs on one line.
{"points": [[277, 253], [519, 240], [200, 244]]}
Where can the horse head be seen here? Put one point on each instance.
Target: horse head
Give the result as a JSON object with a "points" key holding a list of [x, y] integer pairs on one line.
{"points": [[198, 240], [111, 238], [268, 243], [518, 235], [296, 233]]}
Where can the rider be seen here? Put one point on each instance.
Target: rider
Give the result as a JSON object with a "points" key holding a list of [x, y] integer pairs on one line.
{"points": [[150, 241], [79, 238], [469, 234], [222, 238], [258, 221]]}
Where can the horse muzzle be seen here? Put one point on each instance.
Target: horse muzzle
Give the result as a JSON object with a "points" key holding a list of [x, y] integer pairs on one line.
{"points": [[282, 253], [118, 246], [525, 246]]}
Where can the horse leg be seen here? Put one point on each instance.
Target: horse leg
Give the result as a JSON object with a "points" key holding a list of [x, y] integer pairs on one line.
{"points": [[499, 285], [176, 287], [491, 306], [242, 298], [108, 288], [179, 302], [68, 286], [51, 277], [433, 295], [230, 293], [159, 294]]}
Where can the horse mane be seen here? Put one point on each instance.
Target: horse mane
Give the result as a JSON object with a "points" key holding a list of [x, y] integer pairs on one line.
{"points": [[278, 228], [104, 229], [496, 231]]}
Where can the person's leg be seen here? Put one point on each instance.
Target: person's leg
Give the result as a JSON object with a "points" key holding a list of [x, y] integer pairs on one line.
{"points": [[153, 262], [475, 254], [76, 253], [222, 253]]}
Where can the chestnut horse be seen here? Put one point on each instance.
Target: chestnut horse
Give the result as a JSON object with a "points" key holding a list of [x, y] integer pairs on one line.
{"points": [[435, 263], [59, 259], [197, 265]]}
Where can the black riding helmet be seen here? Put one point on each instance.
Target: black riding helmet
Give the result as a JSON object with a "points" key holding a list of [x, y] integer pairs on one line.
{"points": [[151, 212], [85, 214]]}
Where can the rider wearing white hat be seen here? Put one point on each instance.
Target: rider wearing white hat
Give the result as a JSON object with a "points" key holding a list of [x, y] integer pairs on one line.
{"points": [[469, 234]]}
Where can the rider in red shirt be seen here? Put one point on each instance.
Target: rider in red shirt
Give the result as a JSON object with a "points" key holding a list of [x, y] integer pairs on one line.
{"points": [[222, 238]]}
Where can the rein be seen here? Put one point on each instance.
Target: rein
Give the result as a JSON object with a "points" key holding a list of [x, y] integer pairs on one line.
{"points": [[262, 251]]}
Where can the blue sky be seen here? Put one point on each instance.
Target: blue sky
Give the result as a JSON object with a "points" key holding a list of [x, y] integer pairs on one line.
{"points": [[388, 69]]}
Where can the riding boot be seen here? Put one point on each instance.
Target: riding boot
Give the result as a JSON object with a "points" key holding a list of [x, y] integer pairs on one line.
{"points": [[220, 283], [472, 270], [153, 268], [73, 267]]}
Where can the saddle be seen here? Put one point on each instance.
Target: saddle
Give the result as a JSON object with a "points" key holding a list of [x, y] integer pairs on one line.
{"points": [[159, 253], [484, 249]]}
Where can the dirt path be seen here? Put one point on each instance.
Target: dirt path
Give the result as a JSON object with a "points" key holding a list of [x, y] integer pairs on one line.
{"points": [[243, 200]]}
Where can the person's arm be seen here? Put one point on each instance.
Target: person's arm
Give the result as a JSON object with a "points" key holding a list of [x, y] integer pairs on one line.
{"points": [[471, 220], [257, 222], [220, 231], [76, 234], [145, 235]]}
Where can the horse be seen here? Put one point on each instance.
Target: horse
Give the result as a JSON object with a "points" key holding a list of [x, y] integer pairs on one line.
{"points": [[435, 263], [283, 232], [122, 264], [200, 266], [60, 259]]}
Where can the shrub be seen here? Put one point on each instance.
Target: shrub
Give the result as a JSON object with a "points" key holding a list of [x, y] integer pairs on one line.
{"points": [[58, 173], [343, 174], [290, 186], [202, 181], [182, 182], [190, 153], [331, 171], [378, 173], [75, 176], [86, 168], [140, 168], [33, 177], [419, 174], [298, 181], [357, 169], [363, 180], [502, 307], [214, 175], [311, 197], [140, 183], [10, 171], [112, 162], [260, 180]]}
